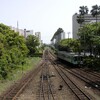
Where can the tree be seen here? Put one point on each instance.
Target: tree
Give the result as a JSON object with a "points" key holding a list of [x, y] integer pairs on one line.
{"points": [[88, 32], [96, 41], [83, 10], [69, 45], [92, 42], [95, 11], [60, 30], [32, 43], [80, 19], [13, 50]]}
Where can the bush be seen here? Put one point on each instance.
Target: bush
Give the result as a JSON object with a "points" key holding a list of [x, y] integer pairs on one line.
{"points": [[92, 62], [13, 50]]}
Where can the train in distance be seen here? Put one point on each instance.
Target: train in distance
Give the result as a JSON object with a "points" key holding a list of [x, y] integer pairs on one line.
{"points": [[71, 57]]}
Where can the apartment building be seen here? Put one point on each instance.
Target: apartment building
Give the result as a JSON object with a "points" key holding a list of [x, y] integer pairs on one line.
{"points": [[87, 19], [22, 32]]}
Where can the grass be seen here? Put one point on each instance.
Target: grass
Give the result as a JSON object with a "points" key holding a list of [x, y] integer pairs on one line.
{"points": [[17, 74]]}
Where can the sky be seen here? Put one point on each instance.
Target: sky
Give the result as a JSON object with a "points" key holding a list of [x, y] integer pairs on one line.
{"points": [[44, 16]]}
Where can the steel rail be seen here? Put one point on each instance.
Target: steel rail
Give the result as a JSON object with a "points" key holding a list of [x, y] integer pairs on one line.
{"points": [[45, 84], [12, 94], [79, 94], [85, 79]]}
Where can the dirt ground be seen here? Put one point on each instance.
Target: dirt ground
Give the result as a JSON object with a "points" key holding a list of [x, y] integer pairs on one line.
{"points": [[32, 90]]}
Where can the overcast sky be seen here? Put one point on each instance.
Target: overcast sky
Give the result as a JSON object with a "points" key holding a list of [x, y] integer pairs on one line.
{"points": [[45, 16]]}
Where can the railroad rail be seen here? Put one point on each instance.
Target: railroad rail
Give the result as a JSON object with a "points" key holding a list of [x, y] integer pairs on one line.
{"points": [[80, 94], [92, 76], [18, 87], [91, 72], [46, 90], [90, 81], [73, 87]]}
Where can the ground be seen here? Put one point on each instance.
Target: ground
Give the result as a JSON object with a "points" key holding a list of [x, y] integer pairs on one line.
{"points": [[32, 90]]}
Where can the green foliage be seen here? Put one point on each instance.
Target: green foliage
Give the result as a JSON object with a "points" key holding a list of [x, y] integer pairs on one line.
{"points": [[90, 42], [64, 45], [53, 49], [92, 62], [32, 43], [17, 74], [90, 37], [43, 46], [13, 50], [95, 11], [83, 10], [69, 45], [59, 30], [80, 19]]}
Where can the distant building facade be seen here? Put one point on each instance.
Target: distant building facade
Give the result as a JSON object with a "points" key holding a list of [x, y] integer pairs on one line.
{"points": [[22, 32], [27, 32], [57, 37], [87, 19]]}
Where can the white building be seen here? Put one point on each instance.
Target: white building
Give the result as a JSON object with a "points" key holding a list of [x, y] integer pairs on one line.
{"points": [[27, 32], [22, 32], [87, 19], [57, 37]]}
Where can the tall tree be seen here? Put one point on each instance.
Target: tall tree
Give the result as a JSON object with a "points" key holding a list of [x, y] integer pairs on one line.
{"points": [[92, 41], [95, 11], [59, 30], [69, 45], [80, 19], [32, 42], [13, 50], [82, 11], [87, 31]]}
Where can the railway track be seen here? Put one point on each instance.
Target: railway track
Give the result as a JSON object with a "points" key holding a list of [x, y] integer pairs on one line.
{"points": [[17, 88], [91, 81], [91, 72], [80, 95], [90, 78], [46, 90]]}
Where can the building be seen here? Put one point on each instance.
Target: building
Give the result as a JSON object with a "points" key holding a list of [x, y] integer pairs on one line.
{"points": [[22, 32], [27, 32], [38, 35], [57, 37], [87, 19]]}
